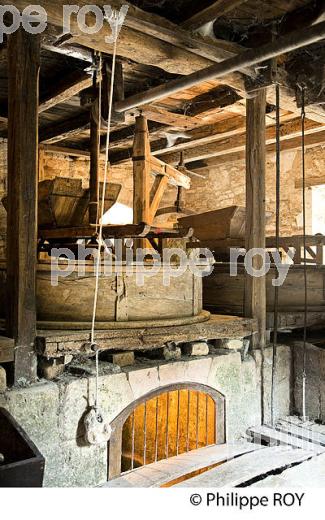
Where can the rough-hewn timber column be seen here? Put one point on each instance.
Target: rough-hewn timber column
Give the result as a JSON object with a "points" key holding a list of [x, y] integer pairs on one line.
{"points": [[255, 294], [23, 72]]}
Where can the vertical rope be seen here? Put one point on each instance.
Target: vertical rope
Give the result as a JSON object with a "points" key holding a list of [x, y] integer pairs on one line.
{"points": [[303, 118], [102, 206], [277, 244]]}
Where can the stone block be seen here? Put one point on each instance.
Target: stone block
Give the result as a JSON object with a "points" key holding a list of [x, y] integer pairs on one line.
{"points": [[143, 380], [196, 348], [3, 379], [74, 465], [123, 358], [51, 368], [36, 409], [230, 344], [169, 352]]}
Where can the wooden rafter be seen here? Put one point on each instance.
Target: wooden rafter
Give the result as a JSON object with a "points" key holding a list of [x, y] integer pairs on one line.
{"points": [[210, 13], [65, 88], [230, 156], [236, 143]]}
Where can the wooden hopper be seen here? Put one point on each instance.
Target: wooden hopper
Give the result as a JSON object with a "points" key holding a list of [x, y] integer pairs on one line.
{"points": [[218, 224], [63, 202]]}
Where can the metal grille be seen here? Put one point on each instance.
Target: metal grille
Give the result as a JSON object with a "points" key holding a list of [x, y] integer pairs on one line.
{"points": [[167, 425]]}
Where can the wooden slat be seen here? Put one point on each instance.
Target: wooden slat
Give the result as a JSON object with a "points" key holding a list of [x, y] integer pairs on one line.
{"points": [[248, 467], [166, 471], [23, 71]]}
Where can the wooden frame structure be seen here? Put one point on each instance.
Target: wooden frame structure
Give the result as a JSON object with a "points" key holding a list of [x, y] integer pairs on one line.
{"points": [[147, 198]]}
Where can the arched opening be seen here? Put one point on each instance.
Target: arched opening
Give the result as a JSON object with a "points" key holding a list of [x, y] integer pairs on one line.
{"points": [[166, 422]]}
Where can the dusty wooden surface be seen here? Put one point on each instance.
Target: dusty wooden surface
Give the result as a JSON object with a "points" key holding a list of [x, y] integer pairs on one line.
{"points": [[248, 467], [56, 343], [164, 472]]}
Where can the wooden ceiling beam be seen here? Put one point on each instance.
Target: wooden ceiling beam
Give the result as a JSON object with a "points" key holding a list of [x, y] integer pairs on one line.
{"points": [[148, 39], [291, 143], [237, 143], [210, 13], [64, 129], [65, 88]]}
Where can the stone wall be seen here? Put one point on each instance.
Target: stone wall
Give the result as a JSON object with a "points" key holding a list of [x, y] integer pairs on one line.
{"points": [[225, 186], [52, 412], [315, 380]]}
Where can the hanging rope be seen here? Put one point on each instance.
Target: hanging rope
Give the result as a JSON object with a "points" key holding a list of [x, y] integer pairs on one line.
{"points": [[97, 430], [303, 167], [277, 244]]}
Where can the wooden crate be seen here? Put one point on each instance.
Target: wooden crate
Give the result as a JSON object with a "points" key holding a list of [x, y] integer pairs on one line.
{"points": [[23, 464]]}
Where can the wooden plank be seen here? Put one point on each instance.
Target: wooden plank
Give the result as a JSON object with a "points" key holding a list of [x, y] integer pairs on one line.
{"points": [[55, 343], [275, 437], [163, 472], [249, 466], [65, 88], [210, 13], [255, 291], [23, 71]]}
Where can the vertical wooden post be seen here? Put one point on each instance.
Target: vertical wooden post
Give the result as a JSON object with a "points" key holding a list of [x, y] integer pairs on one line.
{"points": [[141, 172], [94, 159], [255, 292], [23, 73]]}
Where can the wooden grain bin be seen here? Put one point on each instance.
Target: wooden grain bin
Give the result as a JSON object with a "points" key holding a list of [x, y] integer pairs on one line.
{"points": [[23, 464], [63, 202], [218, 224]]}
